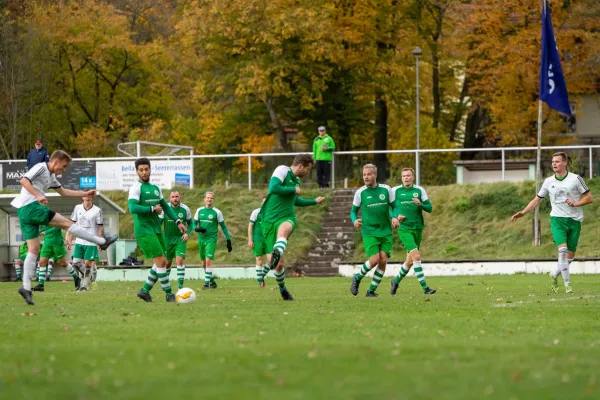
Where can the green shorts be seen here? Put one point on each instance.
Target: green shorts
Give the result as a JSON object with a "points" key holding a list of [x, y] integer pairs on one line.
{"points": [[55, 252], [207, 250], [270, 229], [176, 248], [152, 245], [565, 230], [260, 248], [373, 245], [85, 252], [31, 217], [410, 238]]}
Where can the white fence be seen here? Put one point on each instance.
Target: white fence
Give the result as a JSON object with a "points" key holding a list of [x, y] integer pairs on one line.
{"points": [[504, 153]]}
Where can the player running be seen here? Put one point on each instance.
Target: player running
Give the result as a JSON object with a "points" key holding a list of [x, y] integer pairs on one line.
{"points": [[207, 221], [411, 201], [146, 203], [568, 193], [54, 248], [279, 217], [256, 242], [374, 200], [176, 240], [32, 209], [89, 217]]}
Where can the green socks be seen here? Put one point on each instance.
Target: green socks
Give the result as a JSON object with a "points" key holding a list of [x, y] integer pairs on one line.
{"points": [[401, 274], [377, 277], [420, 275], [280, 278], [180, 276], [151, 279], [366, 267]]}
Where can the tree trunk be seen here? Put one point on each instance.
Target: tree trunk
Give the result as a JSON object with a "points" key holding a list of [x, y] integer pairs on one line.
{"points": [[279, 131], [473, 136], [381, 134]]}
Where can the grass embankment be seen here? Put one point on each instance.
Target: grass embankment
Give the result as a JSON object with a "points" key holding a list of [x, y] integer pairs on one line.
{"points": [[473, 222], [236, 205]]}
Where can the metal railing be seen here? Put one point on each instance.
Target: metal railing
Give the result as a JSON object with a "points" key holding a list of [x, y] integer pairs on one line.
{"points": [[502, 150]]}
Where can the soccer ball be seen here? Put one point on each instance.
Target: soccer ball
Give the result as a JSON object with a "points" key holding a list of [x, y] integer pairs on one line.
{"points": [[185, 295]]}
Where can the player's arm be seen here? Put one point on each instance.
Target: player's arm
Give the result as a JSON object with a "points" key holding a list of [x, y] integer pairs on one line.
{"points": [[136, 208], [332, 147], [427, 206], [531, 206], [190, 226], [250, 230], [225, 230], [301, 202], [74, 193], [276, 187], [28, 178]]}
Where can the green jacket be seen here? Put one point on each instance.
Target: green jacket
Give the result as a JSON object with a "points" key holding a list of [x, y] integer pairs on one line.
{"points": [[318, 153]]}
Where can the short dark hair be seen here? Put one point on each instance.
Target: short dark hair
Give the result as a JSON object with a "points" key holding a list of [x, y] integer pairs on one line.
{"points": [[175, 191], [562, 155], [60, 155], [304, 159], [141, 161]]}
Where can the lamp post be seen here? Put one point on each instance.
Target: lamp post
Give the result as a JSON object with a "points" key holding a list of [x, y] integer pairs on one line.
{"points": [[417, 53]]}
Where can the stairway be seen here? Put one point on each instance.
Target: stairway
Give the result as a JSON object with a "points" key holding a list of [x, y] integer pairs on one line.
{"points": [[335, 242]]}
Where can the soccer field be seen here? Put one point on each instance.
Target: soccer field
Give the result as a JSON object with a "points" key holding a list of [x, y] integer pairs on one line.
{"points": [[496, 337]]}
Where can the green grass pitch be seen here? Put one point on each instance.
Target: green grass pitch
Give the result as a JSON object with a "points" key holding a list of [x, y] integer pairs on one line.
{"points": [[483, 337]]}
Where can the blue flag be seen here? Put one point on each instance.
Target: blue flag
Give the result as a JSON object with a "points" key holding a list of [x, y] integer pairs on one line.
{"points": [[553, 89]]}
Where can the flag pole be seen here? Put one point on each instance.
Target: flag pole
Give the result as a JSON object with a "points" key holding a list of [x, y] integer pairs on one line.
{"points": [[538, 175]]}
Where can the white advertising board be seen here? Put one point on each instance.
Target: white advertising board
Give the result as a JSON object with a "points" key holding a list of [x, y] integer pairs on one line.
{"points": [[120, 175]]}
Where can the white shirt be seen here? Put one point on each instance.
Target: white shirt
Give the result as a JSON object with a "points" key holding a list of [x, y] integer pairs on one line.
{"points": [[254, 215], [88, 220], [571, 187], [42, 179]]}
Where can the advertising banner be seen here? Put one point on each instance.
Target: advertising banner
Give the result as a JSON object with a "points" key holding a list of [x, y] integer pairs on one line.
{"points": [[79, 175], [120, 175]]}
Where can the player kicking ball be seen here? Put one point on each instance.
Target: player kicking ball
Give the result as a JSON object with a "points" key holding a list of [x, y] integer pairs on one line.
{"points": [[279, 217], [32, 209], [146, 203], [568, 193], [374, 200]]}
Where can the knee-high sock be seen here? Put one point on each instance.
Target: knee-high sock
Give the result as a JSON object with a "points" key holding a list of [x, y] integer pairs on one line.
{"points": [[280, 278], [29, 269], [79, 232], [208, 276], [420, 274], [50, 268], [266, 270], [72, 271], [563, 264], [164, 279], [42, 275], [402, 273], [280, 244], [151, 279], [180, 276], [260, 274], [377, 277], [366, 267], [19, 271]]}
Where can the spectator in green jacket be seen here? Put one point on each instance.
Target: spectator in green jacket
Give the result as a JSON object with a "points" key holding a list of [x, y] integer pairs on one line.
{"points": [[323, 146]]}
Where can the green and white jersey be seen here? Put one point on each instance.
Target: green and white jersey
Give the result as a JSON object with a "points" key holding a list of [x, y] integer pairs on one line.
{"points": [[53, 236], [171, 230], [209, 219], [278, 206], [375, 208], [571, 186], [41, 179], [145, 194], [89, 220], [256, 219], [408, 208]]}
